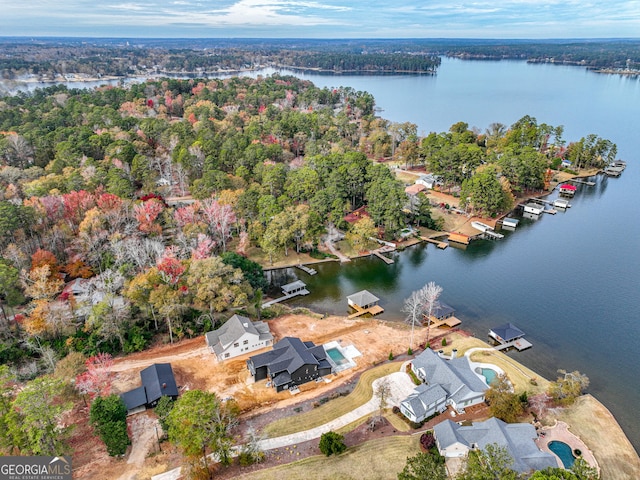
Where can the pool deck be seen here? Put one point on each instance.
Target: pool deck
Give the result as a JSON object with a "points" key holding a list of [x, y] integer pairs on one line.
{"points": [[348, 352], [560, 432]]}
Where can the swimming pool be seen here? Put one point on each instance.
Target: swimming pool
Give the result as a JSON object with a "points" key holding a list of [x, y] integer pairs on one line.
{"points": [[488, 373], [563, 451], [337, 356]]}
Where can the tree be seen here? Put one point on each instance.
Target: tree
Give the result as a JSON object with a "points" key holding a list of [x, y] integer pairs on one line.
{"points": [[492, 462], [41, 409], [251, 270], [583, 470], [431, 294], [332, 442], [163, 409], [381, 393], [360, 232], [554, 473], [503, 402], [424, 466], [108, 416], [97, 378], [414, 306], [568, 386], [199, 422], [483, 192]]}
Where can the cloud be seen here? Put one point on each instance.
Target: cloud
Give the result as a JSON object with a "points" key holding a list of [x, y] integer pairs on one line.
{"points": [[323, 18]]}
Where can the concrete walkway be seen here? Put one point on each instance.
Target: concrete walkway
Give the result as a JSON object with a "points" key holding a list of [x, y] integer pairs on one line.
{"points": [[400, 386]]}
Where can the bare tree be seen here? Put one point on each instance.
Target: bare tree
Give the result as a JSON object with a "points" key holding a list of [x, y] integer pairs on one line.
{"points": [[414, 308], [382, 391], [431, 294]]}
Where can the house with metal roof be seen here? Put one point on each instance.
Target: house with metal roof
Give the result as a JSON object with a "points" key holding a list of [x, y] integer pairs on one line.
{"points": [[455, 377], [454, 440], [506, 333], [157, 381], [238, 336], [292, 362]]}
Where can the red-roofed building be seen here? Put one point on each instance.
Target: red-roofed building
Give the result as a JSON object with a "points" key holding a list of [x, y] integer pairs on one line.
{"points": [[356, 215]]}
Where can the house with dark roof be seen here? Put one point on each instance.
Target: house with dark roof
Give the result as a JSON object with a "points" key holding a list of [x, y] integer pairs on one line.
{"points": [[442, 311], [454, 440], [238, 336], [292, 362], [157, 381], [459, 386], [506, 333]]}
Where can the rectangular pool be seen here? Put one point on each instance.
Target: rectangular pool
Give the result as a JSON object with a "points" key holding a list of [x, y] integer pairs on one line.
{"points": [[337, 356]]}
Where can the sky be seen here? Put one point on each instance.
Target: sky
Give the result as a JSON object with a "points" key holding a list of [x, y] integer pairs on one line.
{"points": [[322, 19]]}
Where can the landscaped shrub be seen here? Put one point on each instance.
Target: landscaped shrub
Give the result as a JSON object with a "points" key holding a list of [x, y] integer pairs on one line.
{"points": [[444, 342], [427, 440], [409, 352], [332, 442], [390, 355]]}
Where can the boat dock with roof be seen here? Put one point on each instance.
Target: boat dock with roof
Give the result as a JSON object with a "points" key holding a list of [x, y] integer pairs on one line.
{"points": [[364, 302], [507, 336], [289, 290]]}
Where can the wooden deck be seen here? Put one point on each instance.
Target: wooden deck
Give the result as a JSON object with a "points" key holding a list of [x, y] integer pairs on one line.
{"points": [[304, 268], [447, 322], [285, 297], [437, 243], [386, 260], [359, 311], [519, 344]]}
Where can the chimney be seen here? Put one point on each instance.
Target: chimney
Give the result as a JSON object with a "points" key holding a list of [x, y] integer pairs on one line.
{"points": [[454, 352], [440, 353], [164, 385]]}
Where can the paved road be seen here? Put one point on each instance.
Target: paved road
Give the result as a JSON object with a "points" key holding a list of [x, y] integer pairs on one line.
{"points": [[400, 386]]}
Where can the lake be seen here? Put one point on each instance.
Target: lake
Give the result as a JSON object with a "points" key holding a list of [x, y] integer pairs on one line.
{"points": [[570, 281]]}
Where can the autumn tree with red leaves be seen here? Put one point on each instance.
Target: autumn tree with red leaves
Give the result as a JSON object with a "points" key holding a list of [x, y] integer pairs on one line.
{"points": [[96, 381]]}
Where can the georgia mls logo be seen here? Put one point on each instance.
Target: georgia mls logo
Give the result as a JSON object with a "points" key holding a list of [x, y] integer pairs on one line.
{"points": [[35, 468]]}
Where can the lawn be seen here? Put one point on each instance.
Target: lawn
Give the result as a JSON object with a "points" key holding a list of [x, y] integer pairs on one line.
{"points": [[380, 459], [333, 409]]}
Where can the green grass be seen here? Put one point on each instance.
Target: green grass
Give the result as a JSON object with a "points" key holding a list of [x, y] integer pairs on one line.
{"points": [[379, 459], [333, 409]]}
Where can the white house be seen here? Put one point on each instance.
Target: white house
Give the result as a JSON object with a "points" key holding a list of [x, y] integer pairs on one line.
{"points": [[238, 336], [457, 385], [429, 181]]}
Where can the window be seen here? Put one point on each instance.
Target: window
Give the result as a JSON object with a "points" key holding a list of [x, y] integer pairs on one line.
{"points": [[236, 344], [226, 355], [246, 342]]}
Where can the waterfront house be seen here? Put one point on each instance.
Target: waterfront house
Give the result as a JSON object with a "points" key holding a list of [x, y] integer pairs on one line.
{"points": [[292, 362], [157, 382], [461, 386], [567, 190], [295, 288], [454, 441], [238, 336], [506, 333]]}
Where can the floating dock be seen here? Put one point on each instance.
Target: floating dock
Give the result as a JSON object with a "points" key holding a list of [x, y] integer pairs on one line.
{"points": [[359, 311], [304, 268], [582, 182]]}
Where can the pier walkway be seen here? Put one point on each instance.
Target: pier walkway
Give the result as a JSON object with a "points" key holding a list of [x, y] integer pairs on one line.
{"points": [[285, 297], [437, 243], [519, 344], [359, 311], [304, 268]]}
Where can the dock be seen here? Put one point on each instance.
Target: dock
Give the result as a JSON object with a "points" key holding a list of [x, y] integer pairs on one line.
{"points": [[491, 235], [437, 243], [447, 322], [359, 311], [550, 211], [289, 290], [582, 182], [386, 260], [507, 336], [304, 268], [519, 344]]}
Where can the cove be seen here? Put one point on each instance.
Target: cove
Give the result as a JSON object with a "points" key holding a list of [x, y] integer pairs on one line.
{"points": [[570, 281]]}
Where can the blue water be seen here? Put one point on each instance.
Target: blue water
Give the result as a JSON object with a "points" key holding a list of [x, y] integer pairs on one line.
{"points": [[489, 374], [563, 451], [570, 281], [336, 356]]}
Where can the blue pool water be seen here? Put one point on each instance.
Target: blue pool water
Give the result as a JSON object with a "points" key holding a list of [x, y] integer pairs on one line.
{"points": [[563, 451], [336, 356], [489, 374]]}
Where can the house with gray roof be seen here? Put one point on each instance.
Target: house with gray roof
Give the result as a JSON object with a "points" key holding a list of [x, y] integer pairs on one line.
{"points": [[455, 377], [362, 299], [157, 382], [238, 336], [454, 440], [292, 362]]}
